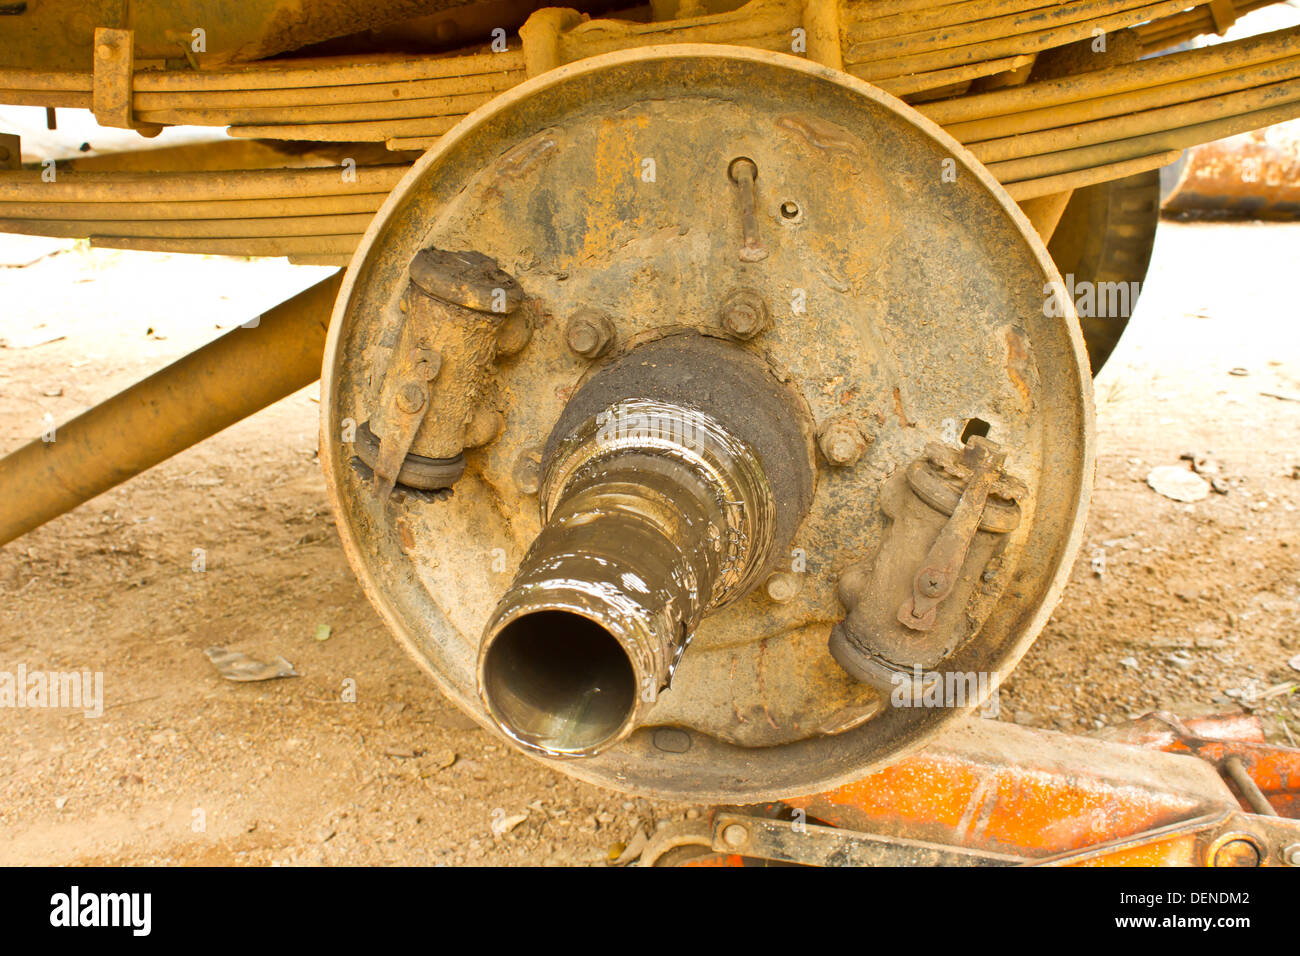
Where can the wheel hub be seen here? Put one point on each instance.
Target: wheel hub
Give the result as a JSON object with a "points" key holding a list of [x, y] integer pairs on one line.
{"points": [[888, 440]]}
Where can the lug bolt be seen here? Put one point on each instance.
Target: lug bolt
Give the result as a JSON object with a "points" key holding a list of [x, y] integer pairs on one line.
{"points": [[743, 314], [514, 333], [735, 835], [1292, 854], [589, 333], [781, 587], [843, 443], [411, 398]]}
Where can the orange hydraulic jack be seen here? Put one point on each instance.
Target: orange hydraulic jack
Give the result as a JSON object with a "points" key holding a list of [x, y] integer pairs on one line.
{"points": [[1157, 791]]}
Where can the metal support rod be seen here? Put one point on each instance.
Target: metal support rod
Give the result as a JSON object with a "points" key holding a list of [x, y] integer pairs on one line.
{"points": [[195, 397], [1246, 785]]}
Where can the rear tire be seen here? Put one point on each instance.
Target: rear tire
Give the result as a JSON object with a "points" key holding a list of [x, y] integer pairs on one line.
{"points": [[1106, 235]]}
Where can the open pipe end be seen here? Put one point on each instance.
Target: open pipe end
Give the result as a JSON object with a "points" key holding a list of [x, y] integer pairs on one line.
{"points": [[558, 683]]}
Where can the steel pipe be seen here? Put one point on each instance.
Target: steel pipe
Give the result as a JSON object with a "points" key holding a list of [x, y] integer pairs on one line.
{"points": [[193, 398], [668, 488], [654, 514]]}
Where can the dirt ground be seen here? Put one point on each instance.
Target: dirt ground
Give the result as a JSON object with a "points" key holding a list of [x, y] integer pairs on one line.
{"points": [[1182, 606]]}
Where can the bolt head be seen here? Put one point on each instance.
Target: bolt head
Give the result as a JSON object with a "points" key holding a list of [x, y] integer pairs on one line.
{"points": [[735, 835], [483, 427], [843, 443], [514, 333], [743, 314], [932, 582], [781, 587], [589, 333], [428, 363], [1292, 854], [411, 398]]}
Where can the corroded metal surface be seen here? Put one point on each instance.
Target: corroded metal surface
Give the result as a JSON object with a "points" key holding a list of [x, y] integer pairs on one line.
{"points": [[1254, 175], [671, 484], [903, 302], [992, 793], [57, 34], [1040, 138]]}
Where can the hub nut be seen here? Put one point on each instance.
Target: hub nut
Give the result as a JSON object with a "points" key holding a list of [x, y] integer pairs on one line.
{"points": [[744, 314], [411, 398], [843, 443], [735, 835], [589, 333], [781, 587]]}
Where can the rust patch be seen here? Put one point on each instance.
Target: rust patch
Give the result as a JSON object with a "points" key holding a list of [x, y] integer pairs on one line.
{"points": [[1020, 367], [405, 535], [898, 409], [520, 161], [822, 134]]}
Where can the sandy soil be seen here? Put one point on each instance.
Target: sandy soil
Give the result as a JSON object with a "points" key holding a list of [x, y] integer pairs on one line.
{"points": [[1195, 605]]}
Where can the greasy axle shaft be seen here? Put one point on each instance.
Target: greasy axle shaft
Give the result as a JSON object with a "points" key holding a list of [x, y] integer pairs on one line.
{"points": [[653, 515]]}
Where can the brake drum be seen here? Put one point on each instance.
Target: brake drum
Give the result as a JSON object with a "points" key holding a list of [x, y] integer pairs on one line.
{"points": [[887, 287]]}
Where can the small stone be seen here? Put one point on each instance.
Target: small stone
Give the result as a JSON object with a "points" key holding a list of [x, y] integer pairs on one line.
{"points": [[629, 851], [1177, 483], [501, 825]]}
